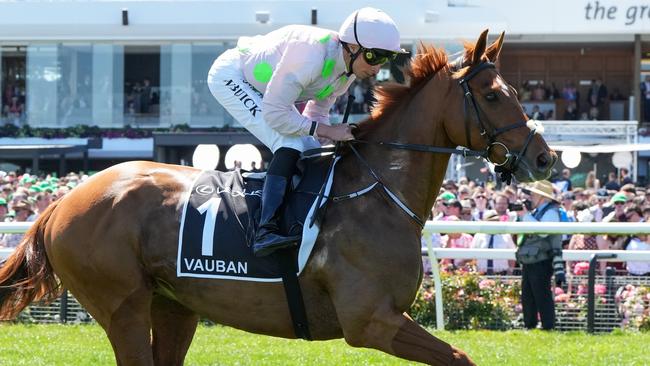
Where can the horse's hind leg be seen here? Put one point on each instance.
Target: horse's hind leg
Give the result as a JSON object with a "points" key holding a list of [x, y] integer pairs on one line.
{"points": [[129, 329], [173, 327], [121, 305]]}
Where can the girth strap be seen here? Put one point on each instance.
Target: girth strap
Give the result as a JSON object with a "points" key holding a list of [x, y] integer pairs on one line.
{"points": [[289, 270]]}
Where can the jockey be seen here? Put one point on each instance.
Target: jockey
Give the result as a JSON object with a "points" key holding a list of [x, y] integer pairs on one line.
{"points": [[260, 81]]}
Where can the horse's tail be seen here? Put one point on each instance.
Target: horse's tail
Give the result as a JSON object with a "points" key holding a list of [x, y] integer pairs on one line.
{"points": [[27, 275]]}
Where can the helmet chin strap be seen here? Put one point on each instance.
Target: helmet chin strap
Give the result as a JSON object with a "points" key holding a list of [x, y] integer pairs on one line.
{"points": [[353, 55]]}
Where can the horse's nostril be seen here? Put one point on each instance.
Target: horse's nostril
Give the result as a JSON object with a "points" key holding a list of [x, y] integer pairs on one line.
{"points": [[543, 160]]}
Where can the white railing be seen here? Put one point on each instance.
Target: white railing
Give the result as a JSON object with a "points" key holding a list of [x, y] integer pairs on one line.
{"points": [[521, 228], [482, 227], [12, 228]]}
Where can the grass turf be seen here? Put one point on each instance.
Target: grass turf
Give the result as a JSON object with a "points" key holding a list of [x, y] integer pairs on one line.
{"points": [[87, 345]]}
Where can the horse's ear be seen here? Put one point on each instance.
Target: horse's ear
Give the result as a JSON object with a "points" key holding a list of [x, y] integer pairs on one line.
{"points": [[495, 48], [479, 48]]}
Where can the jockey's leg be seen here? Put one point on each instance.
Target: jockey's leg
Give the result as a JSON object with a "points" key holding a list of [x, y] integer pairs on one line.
{"points": [[278, 181], [229, 86]]}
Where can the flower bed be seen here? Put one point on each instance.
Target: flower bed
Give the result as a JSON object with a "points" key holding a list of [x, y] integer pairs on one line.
{"points": [[633, 303], [472, 301]]}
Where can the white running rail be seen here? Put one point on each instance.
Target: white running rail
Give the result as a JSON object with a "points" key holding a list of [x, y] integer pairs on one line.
{"points": [[481, 227]]}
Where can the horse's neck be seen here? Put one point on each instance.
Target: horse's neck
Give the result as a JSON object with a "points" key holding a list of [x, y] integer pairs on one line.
{"points": [[414, 177]]}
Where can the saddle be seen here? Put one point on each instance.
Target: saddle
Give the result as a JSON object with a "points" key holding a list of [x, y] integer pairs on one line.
{"points": [[222, 213]]}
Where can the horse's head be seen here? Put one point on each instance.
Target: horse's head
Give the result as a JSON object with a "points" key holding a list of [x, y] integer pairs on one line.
{"points": [[489, 116]]}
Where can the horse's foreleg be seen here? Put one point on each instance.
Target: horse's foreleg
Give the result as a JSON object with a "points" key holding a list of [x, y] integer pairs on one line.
{"points": [[399, 335], [173, 327], [412, 342]]}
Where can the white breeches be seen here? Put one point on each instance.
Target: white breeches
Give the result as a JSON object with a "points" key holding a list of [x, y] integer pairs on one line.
{"points": [[228, 85]]}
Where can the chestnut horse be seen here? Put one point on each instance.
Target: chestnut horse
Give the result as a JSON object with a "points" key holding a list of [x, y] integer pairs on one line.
{"points": [[112, 241]]}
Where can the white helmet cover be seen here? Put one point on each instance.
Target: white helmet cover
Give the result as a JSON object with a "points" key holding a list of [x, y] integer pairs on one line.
{"points": [[370, 28]]}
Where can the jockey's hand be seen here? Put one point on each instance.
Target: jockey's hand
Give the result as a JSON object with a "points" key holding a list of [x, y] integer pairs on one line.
{"points": [[342, 132], [325, 141]]}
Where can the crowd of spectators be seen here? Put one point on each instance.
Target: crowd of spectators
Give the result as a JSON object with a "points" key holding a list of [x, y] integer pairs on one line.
{"points": [[23, 197], [618, 200], [591, 106]]}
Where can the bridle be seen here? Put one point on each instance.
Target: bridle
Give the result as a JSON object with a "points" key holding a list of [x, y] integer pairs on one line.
{"points": [[509, 165], [504, 169]]}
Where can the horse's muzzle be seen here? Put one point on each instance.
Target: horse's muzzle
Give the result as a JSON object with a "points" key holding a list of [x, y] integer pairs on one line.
{"points": [[545, 161]]}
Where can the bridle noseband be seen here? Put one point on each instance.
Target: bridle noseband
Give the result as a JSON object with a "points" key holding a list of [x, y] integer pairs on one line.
{"points": [[509, 165]]}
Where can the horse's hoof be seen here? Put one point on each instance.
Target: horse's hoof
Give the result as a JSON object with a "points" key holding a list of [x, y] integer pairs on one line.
{"points": [[461, 358]]}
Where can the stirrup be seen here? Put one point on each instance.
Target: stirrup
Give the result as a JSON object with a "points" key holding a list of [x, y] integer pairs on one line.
{"points": [[264, 249]]}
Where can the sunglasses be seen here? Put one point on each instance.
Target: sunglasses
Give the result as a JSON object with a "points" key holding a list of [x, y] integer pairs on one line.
{"points": [[619, 203], [376, 56]]}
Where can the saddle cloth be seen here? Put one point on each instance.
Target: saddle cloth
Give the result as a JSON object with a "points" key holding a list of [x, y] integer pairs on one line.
{"points": [[221, 213]]}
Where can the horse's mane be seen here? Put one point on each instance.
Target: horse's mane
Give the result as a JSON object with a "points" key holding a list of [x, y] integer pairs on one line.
{"points": [[427, 62]]}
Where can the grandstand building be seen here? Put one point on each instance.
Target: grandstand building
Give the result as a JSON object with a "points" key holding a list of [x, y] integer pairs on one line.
{"points": [[144, 63]]}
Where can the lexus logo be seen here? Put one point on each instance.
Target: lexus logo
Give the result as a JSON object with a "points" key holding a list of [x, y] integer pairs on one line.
{"points": [[204, 190]]}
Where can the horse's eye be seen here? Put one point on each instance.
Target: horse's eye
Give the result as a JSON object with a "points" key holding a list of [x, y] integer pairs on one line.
{"points": [[491, 97]]}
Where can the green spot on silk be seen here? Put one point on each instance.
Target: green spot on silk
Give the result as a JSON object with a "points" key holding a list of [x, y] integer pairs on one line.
{"points": [[328, 67], [263, 72], [325, 92]]}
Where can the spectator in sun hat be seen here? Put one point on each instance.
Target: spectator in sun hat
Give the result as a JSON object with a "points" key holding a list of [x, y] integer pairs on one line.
{"points": [[454, 208], [27, 181], [439, 210], [24, 209], [540, 256], [35, 189], [617, 202]]}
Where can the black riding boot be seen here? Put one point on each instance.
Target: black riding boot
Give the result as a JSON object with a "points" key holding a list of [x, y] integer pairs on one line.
{"points": [[268, 237]]}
